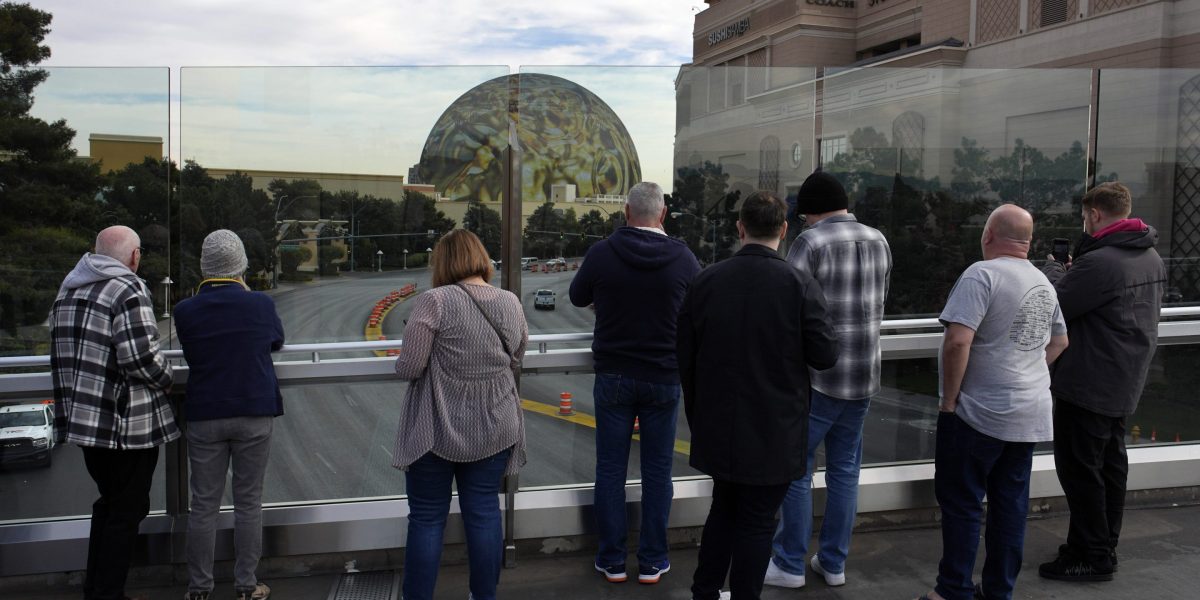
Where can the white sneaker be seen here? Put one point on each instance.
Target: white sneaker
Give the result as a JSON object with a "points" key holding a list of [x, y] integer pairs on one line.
{"points": [[723, 596], [780, 578], [831, 579]]}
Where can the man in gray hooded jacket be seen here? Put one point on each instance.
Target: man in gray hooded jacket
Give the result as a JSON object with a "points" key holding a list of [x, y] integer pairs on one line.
{"points": [[110, 397]]}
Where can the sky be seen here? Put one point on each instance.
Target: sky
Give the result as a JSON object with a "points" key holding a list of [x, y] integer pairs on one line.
{"points": [[341, 86]]}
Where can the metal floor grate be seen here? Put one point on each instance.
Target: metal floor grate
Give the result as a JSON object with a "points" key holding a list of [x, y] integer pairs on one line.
{"points": [[373, 585]]}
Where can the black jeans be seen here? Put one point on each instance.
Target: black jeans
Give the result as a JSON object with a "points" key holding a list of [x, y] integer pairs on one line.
{"points": [[737, 539], [1089, 454], [123, 478]]}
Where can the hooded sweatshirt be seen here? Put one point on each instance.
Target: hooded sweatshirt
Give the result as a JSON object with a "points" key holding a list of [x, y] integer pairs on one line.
{"points": [[110, 380], [636, 280], [1110, 298]]}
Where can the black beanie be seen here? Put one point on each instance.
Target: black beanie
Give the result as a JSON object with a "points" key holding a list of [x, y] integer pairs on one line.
{"points": [[821, 193]]}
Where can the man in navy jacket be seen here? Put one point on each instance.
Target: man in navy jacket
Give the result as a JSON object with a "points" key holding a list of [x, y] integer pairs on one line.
{"points": [[228, 334], [749, 330], [635, 280]]}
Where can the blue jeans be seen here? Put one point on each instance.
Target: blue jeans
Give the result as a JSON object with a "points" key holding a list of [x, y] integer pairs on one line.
{"points": [[967, 465], [619, 400], [428, 482], [839, 424]]}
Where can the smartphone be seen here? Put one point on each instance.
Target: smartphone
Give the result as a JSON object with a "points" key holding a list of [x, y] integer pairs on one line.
{"points": [[1060, 249]]}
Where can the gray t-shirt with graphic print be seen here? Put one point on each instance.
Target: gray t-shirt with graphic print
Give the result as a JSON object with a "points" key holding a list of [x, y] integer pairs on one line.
{"points": [[1014, 310]]}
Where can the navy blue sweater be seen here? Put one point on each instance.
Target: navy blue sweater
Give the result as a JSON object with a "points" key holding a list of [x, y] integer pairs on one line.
{"points": [[637, 280], [228, 334]]}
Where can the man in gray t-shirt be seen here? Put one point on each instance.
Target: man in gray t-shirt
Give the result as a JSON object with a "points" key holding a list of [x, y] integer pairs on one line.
{"points": [[1003, 330]]}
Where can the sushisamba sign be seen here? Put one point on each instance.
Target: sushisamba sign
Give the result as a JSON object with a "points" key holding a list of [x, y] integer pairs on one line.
{"points": [[729, 31]]}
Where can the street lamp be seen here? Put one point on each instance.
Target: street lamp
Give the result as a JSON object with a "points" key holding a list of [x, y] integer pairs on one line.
{"points": [[166, 283], [428, 252], [379, 253], [406, 259]]}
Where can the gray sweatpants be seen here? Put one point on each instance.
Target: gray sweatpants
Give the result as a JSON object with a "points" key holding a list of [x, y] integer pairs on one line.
{"points": [[212, 447]]}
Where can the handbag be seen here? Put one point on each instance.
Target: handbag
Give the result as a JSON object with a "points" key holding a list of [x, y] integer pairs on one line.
{"points": [[514, 363]]}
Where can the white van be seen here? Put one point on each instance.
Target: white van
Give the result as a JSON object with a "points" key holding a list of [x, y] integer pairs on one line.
{"points": [[527, 261], [27, 433]]}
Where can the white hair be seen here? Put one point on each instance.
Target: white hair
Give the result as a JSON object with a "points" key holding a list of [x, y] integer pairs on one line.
{"points": [[645, 201], [117, 242]]}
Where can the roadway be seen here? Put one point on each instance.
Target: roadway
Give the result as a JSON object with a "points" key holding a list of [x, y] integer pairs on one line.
{"points": [[335, 440]]}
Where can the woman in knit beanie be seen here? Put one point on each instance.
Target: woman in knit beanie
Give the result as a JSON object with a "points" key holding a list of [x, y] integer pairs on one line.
{"points": [[228, 333]]}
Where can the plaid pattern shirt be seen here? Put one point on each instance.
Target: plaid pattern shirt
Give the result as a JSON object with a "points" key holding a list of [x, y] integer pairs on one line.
{"points": [[853, 264], [110, 380]]}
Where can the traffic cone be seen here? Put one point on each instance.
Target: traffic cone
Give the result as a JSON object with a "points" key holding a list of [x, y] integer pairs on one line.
{"points": [[637, 427], [1177, 436], [565, 406], [1153, 435]]}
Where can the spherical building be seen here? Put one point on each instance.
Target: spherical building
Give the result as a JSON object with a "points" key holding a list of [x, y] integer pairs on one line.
{"points": [[567, 135]]}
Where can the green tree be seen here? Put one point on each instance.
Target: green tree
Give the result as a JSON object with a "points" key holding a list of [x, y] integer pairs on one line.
{"points": [[544, 231], [47, 196], [485, 223]]}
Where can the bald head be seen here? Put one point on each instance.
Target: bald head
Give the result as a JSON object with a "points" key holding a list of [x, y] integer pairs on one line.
{"points": [[1007, 233], [121, 243]]}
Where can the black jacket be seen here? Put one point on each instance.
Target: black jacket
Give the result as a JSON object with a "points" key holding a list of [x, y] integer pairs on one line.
{"points": [[636, 280], [1110, 298], [749, 329]]}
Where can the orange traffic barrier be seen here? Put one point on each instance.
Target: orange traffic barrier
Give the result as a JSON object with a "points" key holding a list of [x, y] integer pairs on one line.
{"points": [[637, 427], [565, 406], [1135, 433], [1177, 436], [1153, 435], [575, 266]]}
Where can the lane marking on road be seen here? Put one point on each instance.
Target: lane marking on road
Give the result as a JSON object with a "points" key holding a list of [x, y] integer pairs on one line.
{"points": [[683, 447], [389, 452]]}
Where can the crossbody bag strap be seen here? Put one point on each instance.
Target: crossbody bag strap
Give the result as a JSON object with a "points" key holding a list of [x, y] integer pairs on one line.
{"points": [[503, 342]]}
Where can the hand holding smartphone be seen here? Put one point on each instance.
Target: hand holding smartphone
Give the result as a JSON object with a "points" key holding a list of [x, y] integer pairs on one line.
{"points": [[1060, 249]]}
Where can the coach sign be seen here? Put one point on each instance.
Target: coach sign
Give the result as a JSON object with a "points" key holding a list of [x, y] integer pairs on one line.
{"points": [[729, 31], [837, 3]]}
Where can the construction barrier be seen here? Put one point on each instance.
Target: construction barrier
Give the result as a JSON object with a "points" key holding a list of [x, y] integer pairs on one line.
{"points": [[566, 407]]}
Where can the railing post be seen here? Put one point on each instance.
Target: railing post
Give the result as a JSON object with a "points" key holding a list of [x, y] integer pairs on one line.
{"points": [[177, 464], [1093, 140], [510, 522]]}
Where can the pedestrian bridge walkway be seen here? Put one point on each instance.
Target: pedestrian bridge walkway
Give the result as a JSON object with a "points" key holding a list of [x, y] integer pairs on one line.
{"points": [[1160, 558]]}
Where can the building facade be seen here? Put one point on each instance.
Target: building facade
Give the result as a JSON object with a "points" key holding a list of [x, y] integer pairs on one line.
{"points": [[953, 106]]}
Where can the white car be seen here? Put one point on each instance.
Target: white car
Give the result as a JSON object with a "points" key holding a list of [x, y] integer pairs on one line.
{"points": [[27, 433], [543, 299]]}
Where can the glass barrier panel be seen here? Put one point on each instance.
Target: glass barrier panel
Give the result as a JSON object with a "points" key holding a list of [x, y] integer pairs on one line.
{"points": [[41, 479], [560, 429], [926, 154], [92, 154], [339, 181], [1167, 411], [588, 135], [1149, 140]]}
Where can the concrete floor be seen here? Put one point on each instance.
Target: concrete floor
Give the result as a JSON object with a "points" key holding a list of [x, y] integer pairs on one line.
{"points": [[1160, 558]]}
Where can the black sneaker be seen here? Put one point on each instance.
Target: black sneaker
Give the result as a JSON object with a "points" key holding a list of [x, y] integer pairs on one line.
{"points": [[1065, 550], [1066, 568]]}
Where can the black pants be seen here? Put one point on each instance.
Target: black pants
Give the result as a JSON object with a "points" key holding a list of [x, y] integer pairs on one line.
{"points": [[123, 478], [737, 539], [1089, 454]]}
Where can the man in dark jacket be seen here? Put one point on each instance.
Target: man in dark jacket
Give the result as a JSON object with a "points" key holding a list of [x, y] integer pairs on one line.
{"points": [[228, 333], [110, 397], [1110, 297], [635, 280], [750, 328]]}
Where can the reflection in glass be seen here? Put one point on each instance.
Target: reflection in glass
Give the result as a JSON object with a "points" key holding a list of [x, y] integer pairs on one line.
{"points": [[1149, 139], [85, 152]]}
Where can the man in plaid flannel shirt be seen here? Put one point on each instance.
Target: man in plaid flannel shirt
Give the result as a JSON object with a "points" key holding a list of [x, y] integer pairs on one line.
{"points": [[110, 397], [853, 264]]}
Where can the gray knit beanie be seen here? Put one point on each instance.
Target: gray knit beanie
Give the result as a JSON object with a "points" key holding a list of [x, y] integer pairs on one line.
{"points": [[223, 255]]}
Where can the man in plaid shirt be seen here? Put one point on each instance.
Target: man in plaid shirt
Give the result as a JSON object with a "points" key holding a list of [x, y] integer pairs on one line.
{"points": [[110, 397], [853, 264]]}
